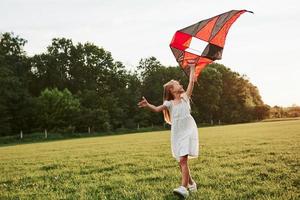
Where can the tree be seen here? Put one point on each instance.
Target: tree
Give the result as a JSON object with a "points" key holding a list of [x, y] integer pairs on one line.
{"points": [[238, 97], [261, 112], [84, 69], [15, 101], [81, 85], [207, 95], [57, 109]]}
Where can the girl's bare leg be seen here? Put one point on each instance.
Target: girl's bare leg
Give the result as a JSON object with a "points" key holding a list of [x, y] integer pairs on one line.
{"points": [[190, 177], [185, 172]]}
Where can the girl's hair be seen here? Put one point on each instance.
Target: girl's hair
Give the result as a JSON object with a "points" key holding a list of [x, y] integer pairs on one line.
{"points": [[167, 96]]}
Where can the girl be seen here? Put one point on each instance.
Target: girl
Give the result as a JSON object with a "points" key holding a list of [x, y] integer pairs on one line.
{"points": [[184, 132]]}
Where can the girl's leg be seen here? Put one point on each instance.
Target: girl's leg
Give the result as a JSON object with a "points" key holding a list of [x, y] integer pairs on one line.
{"points": [[185, 172], [190, 177]]}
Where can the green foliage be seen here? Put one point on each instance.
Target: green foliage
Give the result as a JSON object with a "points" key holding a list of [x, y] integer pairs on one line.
{"points": [[57, 109], [15, 101], [238, 97], [104, 94], [207, 95]]}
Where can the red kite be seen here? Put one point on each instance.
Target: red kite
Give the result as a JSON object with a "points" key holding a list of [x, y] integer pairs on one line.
{"points": [[204, 41]]}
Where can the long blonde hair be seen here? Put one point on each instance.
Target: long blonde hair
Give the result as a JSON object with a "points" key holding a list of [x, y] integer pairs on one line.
{"points": [[167, 96]]}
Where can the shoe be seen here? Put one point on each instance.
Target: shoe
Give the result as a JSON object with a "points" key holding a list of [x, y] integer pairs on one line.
{"points": [[193, 187], [181, 191]]}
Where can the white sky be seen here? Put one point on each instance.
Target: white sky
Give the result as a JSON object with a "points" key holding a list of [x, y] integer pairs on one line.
{"points": [[263, 46]]}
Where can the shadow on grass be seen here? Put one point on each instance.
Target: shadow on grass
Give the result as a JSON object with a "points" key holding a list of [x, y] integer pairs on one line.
{"points": [[39, 137], [172, 196]]}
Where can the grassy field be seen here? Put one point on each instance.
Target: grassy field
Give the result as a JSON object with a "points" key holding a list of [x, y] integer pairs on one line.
{"points": [[247, 161]]}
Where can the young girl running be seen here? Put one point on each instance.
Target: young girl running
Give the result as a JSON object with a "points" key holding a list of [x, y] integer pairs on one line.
{"points": [[184, 132]]}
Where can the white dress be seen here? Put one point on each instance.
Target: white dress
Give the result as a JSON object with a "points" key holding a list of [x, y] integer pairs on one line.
{"points": [[184, 131]]}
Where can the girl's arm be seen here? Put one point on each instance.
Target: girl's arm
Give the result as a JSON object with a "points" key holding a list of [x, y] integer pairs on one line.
{"points": [[190, 87], [144, 103]]}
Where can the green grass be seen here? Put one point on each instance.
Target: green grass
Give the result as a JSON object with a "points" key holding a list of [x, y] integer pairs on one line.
{"points": [[247, 161]]}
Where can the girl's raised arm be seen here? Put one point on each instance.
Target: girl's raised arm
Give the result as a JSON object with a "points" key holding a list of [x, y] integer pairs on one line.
{"points": [[144, 103], [190, 87]]}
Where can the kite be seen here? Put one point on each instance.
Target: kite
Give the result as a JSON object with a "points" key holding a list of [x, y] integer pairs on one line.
{"points": [[203, 42]]}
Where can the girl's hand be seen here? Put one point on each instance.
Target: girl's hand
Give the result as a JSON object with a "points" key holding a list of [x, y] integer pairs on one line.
{"points": [[191, 63], [143, 103]]}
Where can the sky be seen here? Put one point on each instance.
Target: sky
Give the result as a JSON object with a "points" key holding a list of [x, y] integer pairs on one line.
{"points": [[264, 46]]}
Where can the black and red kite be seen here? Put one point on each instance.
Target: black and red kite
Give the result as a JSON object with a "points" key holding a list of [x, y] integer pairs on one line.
{"points": [[204, 41]]}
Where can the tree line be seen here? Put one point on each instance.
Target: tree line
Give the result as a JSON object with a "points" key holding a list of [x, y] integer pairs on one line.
{"points": [[79, 87]]}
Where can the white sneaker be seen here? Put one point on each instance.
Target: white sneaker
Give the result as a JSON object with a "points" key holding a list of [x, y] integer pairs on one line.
{"points": [[181, 191], [193, 187]]}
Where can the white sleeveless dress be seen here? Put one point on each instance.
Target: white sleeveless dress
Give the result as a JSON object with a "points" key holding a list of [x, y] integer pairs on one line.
{"points": [[184, 131]]}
